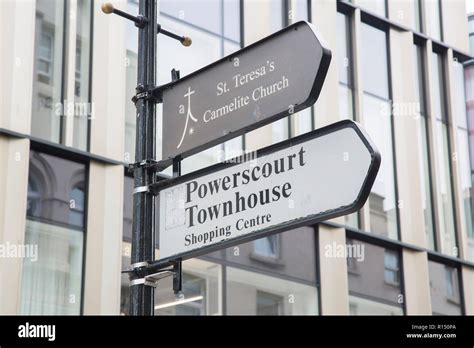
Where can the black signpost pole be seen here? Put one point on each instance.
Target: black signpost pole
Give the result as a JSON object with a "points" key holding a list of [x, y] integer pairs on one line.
{"points": [[143, 239], [143, 233]]}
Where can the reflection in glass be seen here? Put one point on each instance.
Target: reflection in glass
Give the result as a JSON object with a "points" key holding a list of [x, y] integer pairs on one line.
{"points": [[443, 156], [48, 67], [423, 149], [346, 101], [76, 205], [55, 224], [433, 15], [444, 288], [290, 255], [300, 10], [267, 246], [469, 79], [375, 6], [269, 304], [363, 306], [200, 295], [417, 15], [52, 285], [374, 61], [460, 110], [82, 108], [382, 201], [378, 123], [250, 293], [57, 190], [374, 280], [392, 269]]}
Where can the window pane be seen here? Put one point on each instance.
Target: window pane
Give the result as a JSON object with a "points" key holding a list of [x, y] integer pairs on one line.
{"points": [[392, 270], [417, 15], [296, 258], [57, 188], [374, 279], [447, 227], [267, 246], [382, 201], [250, 293], [300, 10], [443, 157], [376, 6], [76, 203], [345, 102], [200, 294], [52, 285], [438, 87], [469, 79], [444, 286], [232, 19], [55, 226], [423, 150], [302, 122], [363, 306], [425, 183], [131, 46], [82, 107], [374, 61], [47, 83], [276, 14], [460, 107], [433, 15], [205, 14], [344, 57]]}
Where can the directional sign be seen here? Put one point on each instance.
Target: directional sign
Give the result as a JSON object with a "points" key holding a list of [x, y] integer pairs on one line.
{"points": [[261, 83], [323, 174]]}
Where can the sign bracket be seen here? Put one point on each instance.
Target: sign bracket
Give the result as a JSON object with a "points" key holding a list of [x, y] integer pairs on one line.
{"points": [[143, 274]]}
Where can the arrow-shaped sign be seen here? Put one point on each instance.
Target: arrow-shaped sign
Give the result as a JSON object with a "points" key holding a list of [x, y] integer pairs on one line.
{"points": [[323, 174], [272, 78]]}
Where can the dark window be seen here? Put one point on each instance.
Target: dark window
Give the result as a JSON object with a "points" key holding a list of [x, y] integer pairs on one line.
{"points": [[375, 288], [445, 289]]}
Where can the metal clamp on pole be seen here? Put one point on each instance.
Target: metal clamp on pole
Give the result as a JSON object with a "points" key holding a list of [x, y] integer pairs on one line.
{"points": [[147, 164], [138, 274], [147, 92]]}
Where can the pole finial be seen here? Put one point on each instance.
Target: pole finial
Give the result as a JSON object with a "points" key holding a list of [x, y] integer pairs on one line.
{"points": [[187, 41], [107, 8]]}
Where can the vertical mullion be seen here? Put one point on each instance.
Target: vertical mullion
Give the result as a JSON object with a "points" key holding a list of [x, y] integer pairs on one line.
{"points": [[358, 94], [89, 83], [68, 118]]}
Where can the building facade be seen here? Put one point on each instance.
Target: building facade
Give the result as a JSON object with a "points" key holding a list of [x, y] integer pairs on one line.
{"points": [[67, 133]]}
